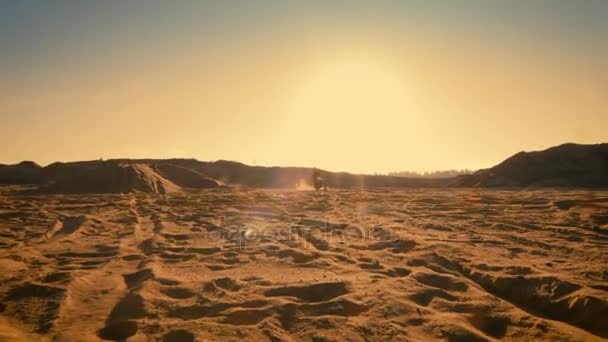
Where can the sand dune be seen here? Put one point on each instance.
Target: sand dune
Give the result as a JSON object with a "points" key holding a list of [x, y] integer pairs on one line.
{"points": [[106, 177], [234, 263], [185, 177], [100, 177], [156, 175], [566, 165], [26, 172]]}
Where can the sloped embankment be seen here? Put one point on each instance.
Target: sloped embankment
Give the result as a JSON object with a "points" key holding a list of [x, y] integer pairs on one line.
{"points": [[106, 178]]}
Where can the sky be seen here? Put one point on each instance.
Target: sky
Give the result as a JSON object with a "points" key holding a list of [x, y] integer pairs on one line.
{"points": [[360, 86]]}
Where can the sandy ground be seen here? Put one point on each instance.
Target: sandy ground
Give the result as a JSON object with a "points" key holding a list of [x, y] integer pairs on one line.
{"points": [[234, 264]]}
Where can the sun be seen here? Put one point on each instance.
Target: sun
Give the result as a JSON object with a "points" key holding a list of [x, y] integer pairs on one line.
{"points": [[351, 88], [348, 108]]}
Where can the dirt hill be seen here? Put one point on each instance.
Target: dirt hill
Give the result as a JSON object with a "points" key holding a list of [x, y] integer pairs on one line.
{"points": [[26, 172], [567, 165], [235, 173], [185, 177], [102, 177]]}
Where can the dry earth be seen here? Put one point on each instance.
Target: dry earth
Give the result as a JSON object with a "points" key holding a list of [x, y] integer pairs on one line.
{"points": [[234, 264]]}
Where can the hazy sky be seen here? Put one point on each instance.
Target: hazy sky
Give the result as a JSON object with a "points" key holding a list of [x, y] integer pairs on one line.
{"points": [[363, 86]]}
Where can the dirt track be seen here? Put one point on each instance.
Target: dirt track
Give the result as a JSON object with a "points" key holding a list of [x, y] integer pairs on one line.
{"points": [[230, 264]]}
